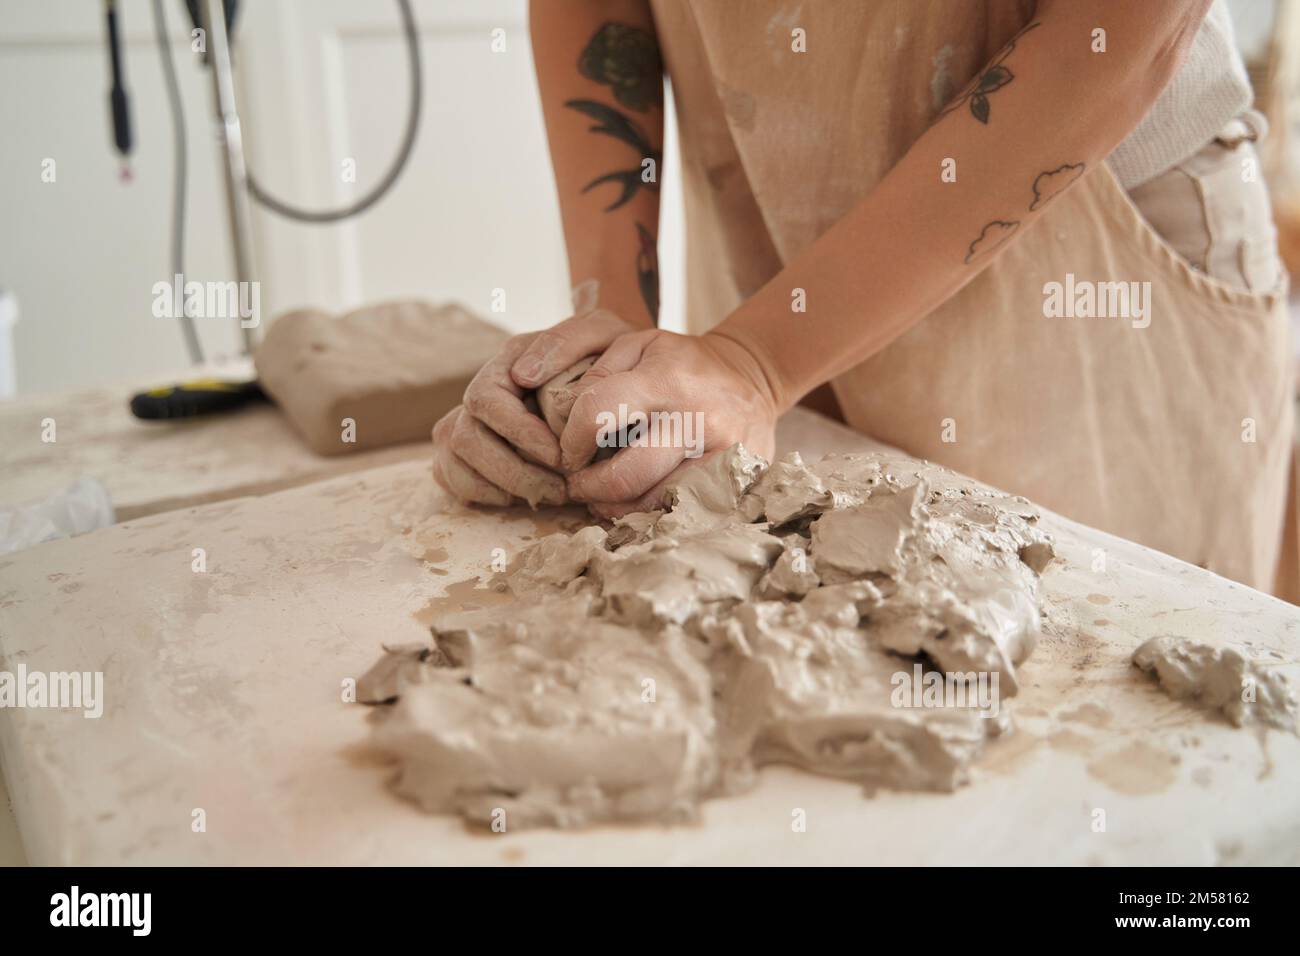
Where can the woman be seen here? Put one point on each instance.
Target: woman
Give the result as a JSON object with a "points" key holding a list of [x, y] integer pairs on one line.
{"points": [[1023, 239]]}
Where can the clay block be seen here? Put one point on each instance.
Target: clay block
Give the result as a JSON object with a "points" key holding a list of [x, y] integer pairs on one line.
{"points": [[393, 368]]}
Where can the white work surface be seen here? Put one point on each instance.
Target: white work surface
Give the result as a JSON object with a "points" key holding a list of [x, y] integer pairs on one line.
{"points": [[224, 694], [150, 467]]}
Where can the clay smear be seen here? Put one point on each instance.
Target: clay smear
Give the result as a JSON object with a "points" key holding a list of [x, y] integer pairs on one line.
{"points": [[767, 615]]}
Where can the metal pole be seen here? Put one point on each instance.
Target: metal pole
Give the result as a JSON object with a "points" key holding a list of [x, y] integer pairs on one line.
{"points": [[223, 85]]}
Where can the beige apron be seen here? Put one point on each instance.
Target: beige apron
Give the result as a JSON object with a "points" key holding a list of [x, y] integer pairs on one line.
{"points": [[1177, 435]]}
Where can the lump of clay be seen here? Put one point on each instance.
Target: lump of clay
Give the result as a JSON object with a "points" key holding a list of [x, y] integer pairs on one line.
{"points": [[713, 492], [868, 538], [542, 716], [668, 580], [810, 688], [392, 369], [555, 398], [793, 574], [1222, 679], [556, 560], [762, 618], [790, 489]]}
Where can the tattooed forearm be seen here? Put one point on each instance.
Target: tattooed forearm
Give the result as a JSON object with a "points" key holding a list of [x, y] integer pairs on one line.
{"points": [[610, 122], [647, 271], [627, 59], [992, 78], [1050, 184], [992, 236], [1047, 186]]}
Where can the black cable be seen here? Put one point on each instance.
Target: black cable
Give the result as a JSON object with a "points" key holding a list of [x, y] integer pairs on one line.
{"points": [[180, 161], [181, 154], [403, 154]]}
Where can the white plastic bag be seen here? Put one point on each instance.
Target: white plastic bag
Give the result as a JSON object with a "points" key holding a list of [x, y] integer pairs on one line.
{"points": [[82, 506]]}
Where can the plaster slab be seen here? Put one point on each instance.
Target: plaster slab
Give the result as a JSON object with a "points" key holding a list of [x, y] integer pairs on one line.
{"points": [[224, 694], [152, 467]]}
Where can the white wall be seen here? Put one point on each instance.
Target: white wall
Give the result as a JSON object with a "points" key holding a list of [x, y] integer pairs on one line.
{"points": [[1252, 21], [320, 81]]}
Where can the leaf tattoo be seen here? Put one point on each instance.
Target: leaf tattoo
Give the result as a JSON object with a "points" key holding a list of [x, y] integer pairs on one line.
{"points": [[991, 237], [610, 122], [625, 58], [993, 78], [647, 271]]}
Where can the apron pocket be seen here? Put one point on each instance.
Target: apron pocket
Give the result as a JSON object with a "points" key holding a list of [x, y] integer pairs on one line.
{"points": [[1216, 220]]}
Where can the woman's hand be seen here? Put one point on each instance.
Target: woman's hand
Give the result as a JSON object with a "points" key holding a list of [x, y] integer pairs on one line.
{"points": [[491, 449], [711, 380]]}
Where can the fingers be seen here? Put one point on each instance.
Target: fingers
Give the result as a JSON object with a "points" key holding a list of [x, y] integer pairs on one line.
{"points": [[622, 355], [456, 477], [631, 473], [594, 416], [487, 454], [496, 401], [549, 353], [468, 485], [651, 500]]}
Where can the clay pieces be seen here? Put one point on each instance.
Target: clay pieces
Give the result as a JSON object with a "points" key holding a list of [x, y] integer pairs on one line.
{"points": [[378, 376], [555, 399], [1247, 691], [862, 617]]}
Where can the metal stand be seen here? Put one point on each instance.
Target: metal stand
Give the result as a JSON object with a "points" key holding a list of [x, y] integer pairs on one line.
{"points": [[223, 86]]}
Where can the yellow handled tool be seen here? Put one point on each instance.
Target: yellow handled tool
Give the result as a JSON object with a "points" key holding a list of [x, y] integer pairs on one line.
{"points": [[202, 396]]}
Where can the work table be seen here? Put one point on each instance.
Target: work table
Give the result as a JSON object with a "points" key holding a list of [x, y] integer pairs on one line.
{"points": [[151, 467], [224, 693]]}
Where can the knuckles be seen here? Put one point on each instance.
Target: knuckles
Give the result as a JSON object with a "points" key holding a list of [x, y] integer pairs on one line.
{"points": [[516, 343], [546, 341], [478, 401], [465, 432], [443, 427]]}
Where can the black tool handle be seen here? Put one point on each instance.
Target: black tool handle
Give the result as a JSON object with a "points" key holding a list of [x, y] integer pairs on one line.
{"points": [[192, 399], [117, 95]]}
